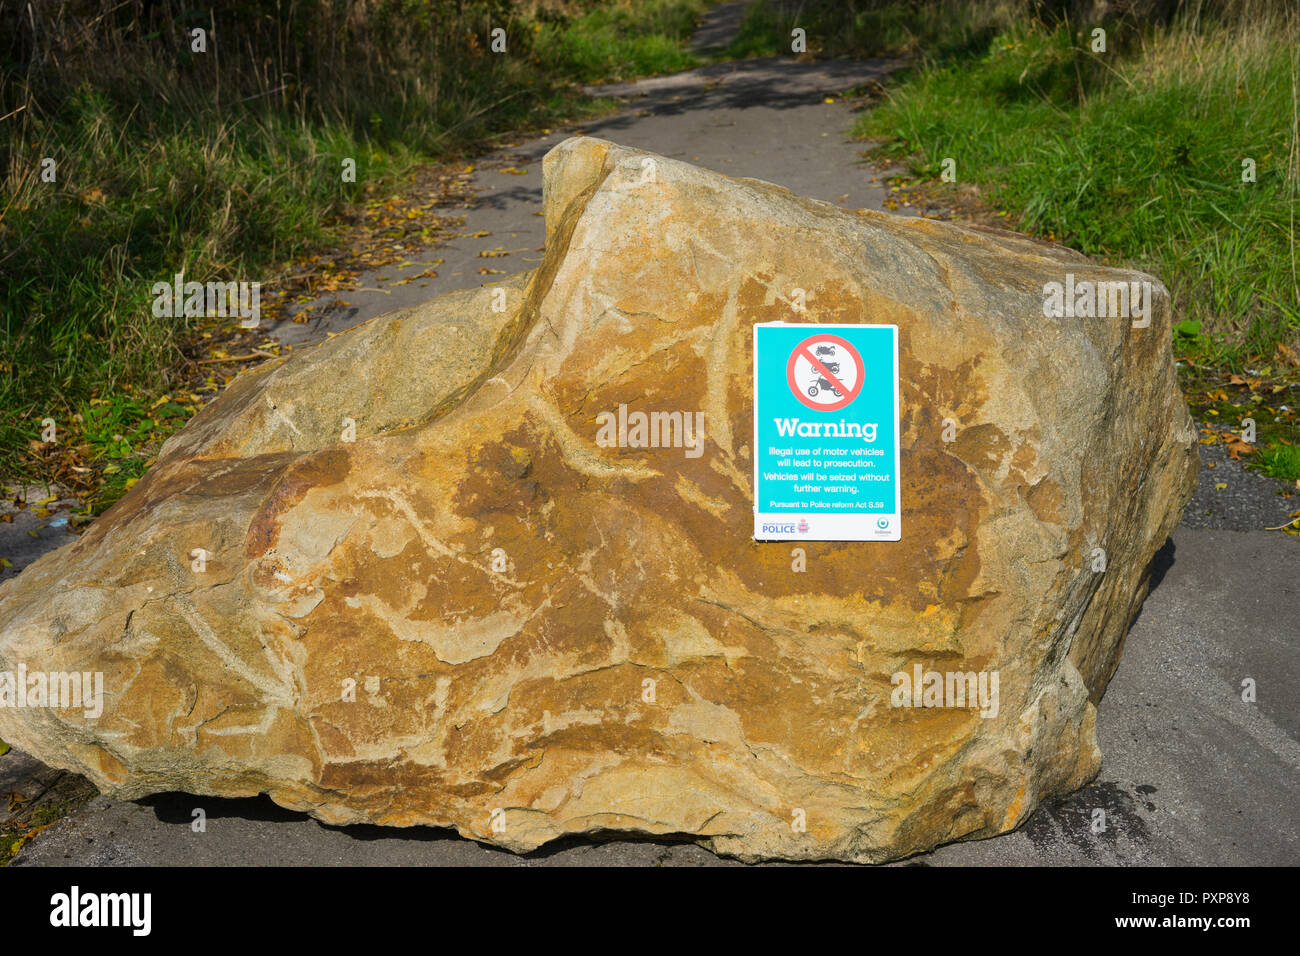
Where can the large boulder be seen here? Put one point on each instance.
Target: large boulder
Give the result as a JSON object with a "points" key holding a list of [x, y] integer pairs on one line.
{"points": [[474, 615]]}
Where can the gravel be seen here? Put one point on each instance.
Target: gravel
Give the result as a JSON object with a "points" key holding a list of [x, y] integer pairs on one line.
{"points": [[1248, 501]]}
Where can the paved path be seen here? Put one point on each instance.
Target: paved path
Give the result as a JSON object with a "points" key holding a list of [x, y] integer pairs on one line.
{"points": [[1191, 773]]}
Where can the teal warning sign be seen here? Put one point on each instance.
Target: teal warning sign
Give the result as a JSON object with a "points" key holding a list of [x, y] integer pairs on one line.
{"points": [[826, 433]]}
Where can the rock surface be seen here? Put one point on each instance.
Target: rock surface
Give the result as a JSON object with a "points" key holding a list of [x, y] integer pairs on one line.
{"points": [[548, 637]]}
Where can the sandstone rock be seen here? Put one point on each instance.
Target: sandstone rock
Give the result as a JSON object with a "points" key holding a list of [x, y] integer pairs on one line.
{"points": [[549, 637]]}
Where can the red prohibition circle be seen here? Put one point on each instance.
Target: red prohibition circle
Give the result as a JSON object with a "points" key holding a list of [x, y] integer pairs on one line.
{"points": [[802, 349]]}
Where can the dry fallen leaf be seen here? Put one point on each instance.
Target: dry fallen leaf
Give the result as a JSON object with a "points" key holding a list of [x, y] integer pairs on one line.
{"points": [[1237, 448]]}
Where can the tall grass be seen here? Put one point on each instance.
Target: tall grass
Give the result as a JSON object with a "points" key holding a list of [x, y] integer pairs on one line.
{"points": [[935, 28], [221, 164], [1135, 154]]}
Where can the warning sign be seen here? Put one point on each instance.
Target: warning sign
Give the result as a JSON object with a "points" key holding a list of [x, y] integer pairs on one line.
{"points": [[826, 451]]}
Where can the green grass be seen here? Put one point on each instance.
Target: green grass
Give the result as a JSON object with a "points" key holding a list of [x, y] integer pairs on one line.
{"points": [[1135, 159], [618, 41], [135, 205], [226, 165], [764, 31], [1281, 461], [859, 28]]}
